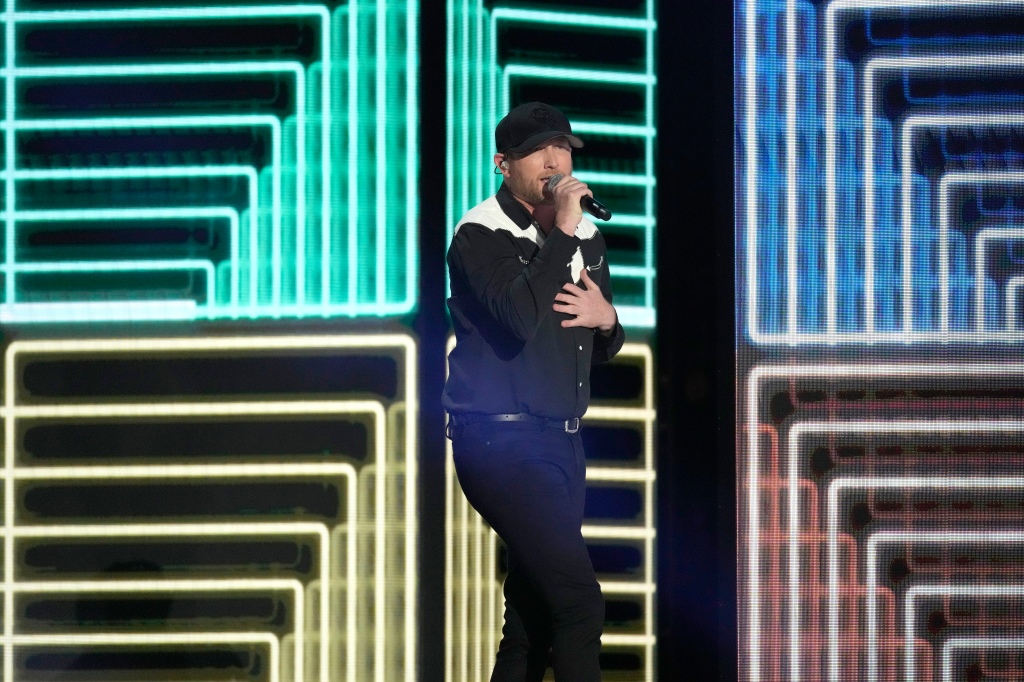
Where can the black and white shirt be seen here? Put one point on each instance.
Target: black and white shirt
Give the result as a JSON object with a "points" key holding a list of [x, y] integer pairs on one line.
{"points": [[512, 354]]}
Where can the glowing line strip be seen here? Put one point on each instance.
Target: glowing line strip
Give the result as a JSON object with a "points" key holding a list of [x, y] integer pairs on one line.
{"points": [[791, 188], [179, 310], [620, 475], [618, 129], [354, 100], [1012, 285], [637, 316], [628, 640], [11, 206], [381, 104], [163, 13], [970, 337], [628, 220], [572, 19], [750, 101], [626, 179], [412, 98], [551, 72], [617, 532], [976, 643], [634, 272], [618, 587], [98, 311]]}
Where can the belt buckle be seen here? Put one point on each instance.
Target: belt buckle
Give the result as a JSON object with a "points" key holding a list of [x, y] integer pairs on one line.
{"points": [[575, 421]]}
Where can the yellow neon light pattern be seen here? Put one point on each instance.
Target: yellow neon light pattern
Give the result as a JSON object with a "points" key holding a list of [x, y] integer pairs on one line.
{"points": [[351, 613]]}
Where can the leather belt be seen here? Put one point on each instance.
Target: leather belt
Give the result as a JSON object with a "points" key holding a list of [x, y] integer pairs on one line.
{"points": [[567, 425]]}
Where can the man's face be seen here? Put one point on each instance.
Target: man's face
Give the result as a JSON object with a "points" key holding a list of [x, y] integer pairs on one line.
{"points": [[528, 173]]}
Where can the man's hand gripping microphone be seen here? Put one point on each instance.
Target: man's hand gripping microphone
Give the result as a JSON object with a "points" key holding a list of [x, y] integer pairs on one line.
{"points": [[589, 204]]}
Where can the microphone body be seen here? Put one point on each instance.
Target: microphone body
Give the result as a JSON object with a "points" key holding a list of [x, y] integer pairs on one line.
{"points": [[589, 204]]}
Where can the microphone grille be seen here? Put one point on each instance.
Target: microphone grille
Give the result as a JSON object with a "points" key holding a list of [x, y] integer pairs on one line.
{"points": [[554, 180]]}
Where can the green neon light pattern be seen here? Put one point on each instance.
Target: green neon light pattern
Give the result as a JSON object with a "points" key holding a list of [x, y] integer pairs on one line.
{"points": [[588, 60], [224, 162]]}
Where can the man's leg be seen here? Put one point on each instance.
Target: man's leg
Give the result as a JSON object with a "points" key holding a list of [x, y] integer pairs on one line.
{"points": [[528, 483], [525, 649]]}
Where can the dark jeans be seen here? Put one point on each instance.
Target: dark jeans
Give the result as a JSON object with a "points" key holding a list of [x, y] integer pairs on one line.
{"points": [[528, 482]]}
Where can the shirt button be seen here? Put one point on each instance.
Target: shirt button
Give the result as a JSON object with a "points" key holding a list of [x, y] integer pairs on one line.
{"points": [[581, 384], [581, 347]]}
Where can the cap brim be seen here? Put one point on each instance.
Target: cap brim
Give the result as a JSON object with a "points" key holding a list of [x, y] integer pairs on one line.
{"points": [[532, 142]]}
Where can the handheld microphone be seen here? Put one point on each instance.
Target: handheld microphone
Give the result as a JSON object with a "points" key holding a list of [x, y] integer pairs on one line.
{"points": [[589, 204]]}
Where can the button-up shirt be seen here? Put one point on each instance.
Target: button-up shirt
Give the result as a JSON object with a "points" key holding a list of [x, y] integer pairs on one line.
{"points": [[512, 354]]}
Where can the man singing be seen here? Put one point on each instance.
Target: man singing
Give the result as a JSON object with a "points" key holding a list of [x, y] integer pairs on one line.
{"points": [[531, 305]]}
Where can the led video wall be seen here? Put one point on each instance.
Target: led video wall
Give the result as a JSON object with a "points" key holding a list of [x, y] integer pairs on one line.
{"points": [[211, 385], [879, 223], [594, 61]]}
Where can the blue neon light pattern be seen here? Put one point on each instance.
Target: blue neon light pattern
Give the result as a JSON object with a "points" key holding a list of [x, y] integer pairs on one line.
{"points": [[239, 161], [922, 242]]}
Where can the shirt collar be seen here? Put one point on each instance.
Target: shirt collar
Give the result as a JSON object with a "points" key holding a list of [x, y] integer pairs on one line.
{"points": [[513, 209]]}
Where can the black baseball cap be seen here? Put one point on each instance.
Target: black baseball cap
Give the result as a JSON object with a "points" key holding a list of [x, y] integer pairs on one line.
{"points": [[529, 124]]}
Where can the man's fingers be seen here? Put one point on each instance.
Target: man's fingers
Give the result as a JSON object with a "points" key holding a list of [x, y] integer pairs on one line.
{"points": [[567, 297]]}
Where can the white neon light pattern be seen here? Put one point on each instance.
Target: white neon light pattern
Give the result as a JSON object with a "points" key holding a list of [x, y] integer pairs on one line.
{"points": [[473, 590], [353, 616], [943, 539], [483, 82], [330, 231], [826, 244], [943, 484], [769, 519], [979, 643]]}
